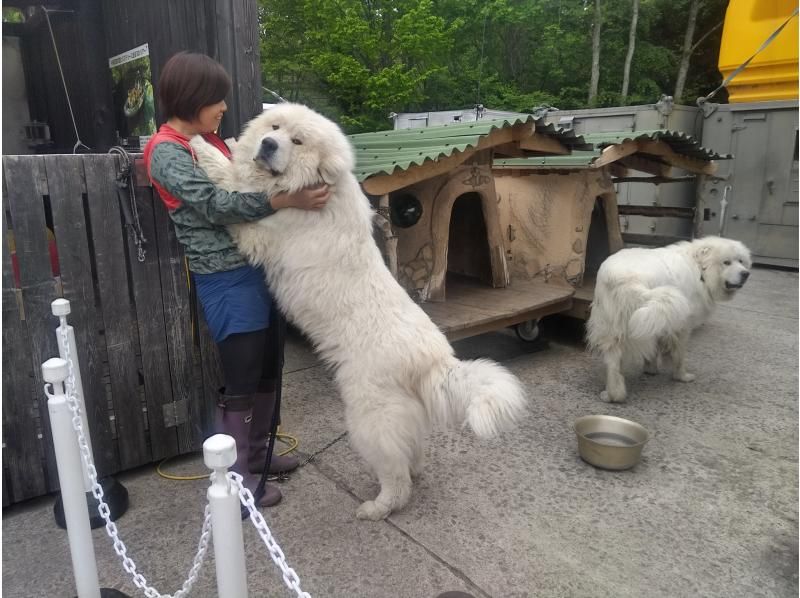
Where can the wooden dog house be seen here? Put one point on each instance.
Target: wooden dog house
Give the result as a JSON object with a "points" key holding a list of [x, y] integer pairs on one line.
{"points": [[562, 214], [443, 234], [498, 223]]}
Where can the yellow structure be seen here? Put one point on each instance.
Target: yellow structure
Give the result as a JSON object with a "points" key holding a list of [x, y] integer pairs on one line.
{"points": [[772, 75]]}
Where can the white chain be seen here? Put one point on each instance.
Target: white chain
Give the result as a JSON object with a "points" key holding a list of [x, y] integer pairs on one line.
{"points": [[289, 576], [97, 491]]}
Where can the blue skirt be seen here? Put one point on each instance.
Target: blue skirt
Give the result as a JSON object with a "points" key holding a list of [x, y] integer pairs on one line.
{"points": [[234, 301]]}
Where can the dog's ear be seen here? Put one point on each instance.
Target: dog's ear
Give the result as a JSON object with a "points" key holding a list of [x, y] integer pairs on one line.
{"points": [[337, 162], [702, 255]]}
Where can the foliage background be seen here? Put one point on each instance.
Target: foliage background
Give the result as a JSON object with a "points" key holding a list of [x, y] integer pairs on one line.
{"points": [[359, 60]]}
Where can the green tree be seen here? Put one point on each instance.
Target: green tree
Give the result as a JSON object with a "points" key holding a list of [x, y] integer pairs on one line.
{"points": [[365, 57], [359, 60]]}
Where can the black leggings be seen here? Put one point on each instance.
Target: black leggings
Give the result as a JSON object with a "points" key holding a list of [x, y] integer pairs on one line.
{"points": [[252, 361]]}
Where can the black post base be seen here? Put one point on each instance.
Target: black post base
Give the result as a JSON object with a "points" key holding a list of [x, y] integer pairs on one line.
{"points": [[115, 496]]}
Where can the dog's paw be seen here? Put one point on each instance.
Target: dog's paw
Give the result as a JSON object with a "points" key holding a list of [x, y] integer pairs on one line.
{"points": [[604, 396], [651, 369], [684, 377], [372, 510]]}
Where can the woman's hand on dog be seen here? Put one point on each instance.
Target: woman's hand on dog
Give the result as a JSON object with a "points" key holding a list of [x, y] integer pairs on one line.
{"points": [[309, 198]]}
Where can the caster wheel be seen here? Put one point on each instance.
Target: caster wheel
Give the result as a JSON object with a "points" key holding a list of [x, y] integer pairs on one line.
{"points": [[527, 331]]}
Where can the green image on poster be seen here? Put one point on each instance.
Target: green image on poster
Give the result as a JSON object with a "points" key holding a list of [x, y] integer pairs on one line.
{"points": [[134, 105]]}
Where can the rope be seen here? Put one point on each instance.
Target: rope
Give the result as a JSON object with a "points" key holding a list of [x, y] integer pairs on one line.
{"points": [[768, 41], [78, 143]]}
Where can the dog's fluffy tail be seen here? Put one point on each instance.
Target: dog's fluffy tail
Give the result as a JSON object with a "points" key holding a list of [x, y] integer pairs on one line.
{"points": [[481, 392], [664, 311], [632, 316]]}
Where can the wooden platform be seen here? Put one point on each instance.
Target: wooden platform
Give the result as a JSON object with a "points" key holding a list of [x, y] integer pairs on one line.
{"points": [[582, 300], [470, 309]]}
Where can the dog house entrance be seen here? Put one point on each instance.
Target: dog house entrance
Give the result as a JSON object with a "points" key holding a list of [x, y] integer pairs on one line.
{"points": [[474, 295], [597, 246], [468, 260]]}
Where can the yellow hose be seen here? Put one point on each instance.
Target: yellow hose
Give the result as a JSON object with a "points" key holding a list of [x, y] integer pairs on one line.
{"points": [[288, 439]]}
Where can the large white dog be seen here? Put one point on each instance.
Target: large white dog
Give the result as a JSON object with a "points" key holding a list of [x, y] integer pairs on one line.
{"points": [[395, 370], [647, 302]]}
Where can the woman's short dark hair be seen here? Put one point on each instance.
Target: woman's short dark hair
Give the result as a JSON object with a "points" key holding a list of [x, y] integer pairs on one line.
{"points": [[190, 82]]}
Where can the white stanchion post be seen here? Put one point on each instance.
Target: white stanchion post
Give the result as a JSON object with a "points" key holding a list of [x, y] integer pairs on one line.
{"points": [[61, 308], [68, 461], [219, 453]]}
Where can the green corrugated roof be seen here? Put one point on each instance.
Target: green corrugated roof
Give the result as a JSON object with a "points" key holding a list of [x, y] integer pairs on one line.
{"points": [[680, 142], [387, 152]]}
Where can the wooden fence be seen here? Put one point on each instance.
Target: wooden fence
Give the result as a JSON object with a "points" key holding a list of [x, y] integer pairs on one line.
{"points": [[149, 367]]}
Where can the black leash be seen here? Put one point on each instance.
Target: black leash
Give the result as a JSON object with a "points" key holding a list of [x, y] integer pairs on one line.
{"points": [[280, 336], [280, 322], [130, 212]]}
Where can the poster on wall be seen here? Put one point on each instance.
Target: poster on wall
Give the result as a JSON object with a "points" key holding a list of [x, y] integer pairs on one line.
{"points": [[134, 107]]}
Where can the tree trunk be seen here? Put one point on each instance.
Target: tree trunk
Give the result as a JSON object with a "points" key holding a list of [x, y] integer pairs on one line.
{"points": [[687, 51], [626, 73], [595, 53]]}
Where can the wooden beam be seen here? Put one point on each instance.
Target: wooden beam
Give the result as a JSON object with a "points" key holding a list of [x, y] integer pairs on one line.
{"points": [[511, 150], [659, 148], [615, 152], [522, 131], [611, 213], [651, 240], [656, 211], [386, 183], [644, 164], [544, 144], [617, 170], [655, 180]]}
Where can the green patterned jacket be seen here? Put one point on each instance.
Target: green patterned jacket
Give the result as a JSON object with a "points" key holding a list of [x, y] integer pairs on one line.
{"points": [[205, 209]]}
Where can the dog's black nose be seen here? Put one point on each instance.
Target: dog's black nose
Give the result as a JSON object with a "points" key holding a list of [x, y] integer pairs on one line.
{"points": [[268, 146], [745, 275]]}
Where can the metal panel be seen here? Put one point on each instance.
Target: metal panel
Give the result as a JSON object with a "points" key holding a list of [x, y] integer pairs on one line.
{"points": [[643, 118], [754, 197]]}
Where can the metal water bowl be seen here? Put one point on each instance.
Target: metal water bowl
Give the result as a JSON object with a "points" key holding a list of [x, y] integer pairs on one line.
{"points": [[610, 442]]}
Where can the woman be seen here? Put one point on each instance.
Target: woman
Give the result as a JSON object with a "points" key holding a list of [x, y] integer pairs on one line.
{"points": [[235, 300]]}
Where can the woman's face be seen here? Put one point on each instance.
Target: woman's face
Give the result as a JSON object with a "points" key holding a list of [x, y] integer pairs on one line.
{"points": [[209, 117]]}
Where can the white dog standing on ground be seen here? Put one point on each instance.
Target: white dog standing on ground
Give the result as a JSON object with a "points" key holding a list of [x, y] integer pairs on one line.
{"points": [[647, 302], [395, 370]]}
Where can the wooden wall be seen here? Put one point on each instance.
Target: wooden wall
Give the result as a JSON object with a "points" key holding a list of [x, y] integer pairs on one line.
{"points": [[46, 97], [226, 30], [89, 32], [149, 367], [547, 217]]}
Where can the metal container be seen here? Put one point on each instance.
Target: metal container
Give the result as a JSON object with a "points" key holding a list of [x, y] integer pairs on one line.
{"points": [[610, 442], [753, 198]]}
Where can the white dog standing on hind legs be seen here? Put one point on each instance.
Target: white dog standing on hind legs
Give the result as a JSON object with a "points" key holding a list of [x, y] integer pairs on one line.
{"points": [[648, 301], [394, 368]]}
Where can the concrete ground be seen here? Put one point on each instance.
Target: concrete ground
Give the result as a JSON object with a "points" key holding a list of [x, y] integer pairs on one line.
{"points": [[711, 510]]}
